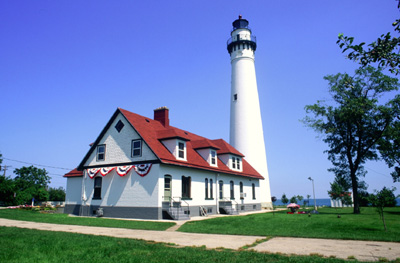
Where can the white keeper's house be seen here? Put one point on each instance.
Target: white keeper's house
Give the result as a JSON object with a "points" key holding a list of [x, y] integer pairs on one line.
{"points": [[140, 167]]}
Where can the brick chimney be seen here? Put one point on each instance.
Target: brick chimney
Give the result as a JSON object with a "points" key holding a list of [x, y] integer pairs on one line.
{"points": [[162, 115]]}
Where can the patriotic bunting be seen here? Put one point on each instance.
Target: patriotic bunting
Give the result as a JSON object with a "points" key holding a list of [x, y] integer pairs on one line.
{"points": [[93, 172], [140, 169], [143, 169], [105, 170], [123, 170]]}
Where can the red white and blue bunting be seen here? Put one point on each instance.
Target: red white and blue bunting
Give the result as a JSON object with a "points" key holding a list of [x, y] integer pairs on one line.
{"points": [[143, 169], [123, 170], [140, 169], [92, 172], [105, 170]]}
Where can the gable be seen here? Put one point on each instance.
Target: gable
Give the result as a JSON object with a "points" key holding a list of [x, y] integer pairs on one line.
{"points": [[118, 137]]}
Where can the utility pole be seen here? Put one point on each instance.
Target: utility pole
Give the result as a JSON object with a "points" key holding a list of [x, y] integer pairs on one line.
{"points": [[5, 167]]}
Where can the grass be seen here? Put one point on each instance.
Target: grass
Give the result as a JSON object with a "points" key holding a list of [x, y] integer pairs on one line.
{"points": [[35, 216], [326, 224], [26, 245]]}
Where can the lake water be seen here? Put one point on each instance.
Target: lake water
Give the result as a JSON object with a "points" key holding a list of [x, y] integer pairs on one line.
{"points": [[321, 202]]}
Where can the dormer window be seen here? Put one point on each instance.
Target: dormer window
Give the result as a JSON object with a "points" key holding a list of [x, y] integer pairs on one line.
{"points": [[213, 156], [181, 150], [176, 146], [236, 163]]}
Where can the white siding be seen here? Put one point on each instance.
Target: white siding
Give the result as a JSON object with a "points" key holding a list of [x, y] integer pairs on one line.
{"points": [[74, 191], [198, 185], [129, 190], [119, 146]]}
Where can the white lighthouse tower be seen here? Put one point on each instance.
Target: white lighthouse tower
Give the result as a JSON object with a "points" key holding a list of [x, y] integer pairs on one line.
{"points": [[246, 130]]}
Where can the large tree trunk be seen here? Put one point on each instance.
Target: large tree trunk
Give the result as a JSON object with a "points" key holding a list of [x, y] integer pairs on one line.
{"points": [[354, 184]]}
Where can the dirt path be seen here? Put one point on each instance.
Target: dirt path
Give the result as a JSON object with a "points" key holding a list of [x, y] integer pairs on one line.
{"points": [[345, 249]]}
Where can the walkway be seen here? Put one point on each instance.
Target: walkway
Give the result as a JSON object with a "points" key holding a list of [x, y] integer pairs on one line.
{"points": [[361, 250]]}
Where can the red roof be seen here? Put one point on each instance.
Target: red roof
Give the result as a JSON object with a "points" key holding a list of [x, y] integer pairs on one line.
{"points": [[74, 173], [153, 132], [204, 143]]}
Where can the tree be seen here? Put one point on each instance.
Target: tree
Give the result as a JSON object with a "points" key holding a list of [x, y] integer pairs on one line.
{"points": [[31, 182], [363, 198], [341, 185], [308, 200], [293, 199], [300, 198], [338, 192], [381, 199], [284, 199], [389, 147], [273, 199], [356, 122], [384, 51], [56, 194], [7, 189]]}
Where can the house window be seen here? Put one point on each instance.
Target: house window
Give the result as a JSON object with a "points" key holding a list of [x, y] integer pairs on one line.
{"points": [[232, 190], [167, 187], [136, 148], [221, 190], [213, 157], [211, 189], [253, 187], [186, 183], [97, 188], [181, 150], [235, 163], [101, 152], [119, 126], [241, 191], [206, 187]]}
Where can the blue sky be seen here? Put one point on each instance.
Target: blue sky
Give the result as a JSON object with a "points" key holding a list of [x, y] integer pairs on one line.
{"points": [[65, 66]]}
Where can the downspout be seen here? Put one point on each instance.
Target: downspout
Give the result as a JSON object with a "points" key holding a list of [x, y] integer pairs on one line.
{"points": [[216, 192]]}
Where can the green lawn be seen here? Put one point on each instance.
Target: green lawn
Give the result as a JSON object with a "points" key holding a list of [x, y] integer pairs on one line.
{"points": [[364, 226], [26, 245], [36, 216]]}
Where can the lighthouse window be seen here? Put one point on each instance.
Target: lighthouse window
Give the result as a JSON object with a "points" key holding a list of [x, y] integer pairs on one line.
{"points": [[235, 97]]}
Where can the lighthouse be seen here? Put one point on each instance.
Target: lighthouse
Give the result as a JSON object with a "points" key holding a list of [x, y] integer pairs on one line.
{"points": [[246, 129]]}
